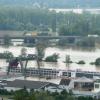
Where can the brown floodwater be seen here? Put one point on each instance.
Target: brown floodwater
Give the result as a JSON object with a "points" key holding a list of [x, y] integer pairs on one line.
{"points": [[76, 54]]}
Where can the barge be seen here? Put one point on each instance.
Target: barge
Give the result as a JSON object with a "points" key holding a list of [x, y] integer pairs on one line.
{"points": [[56, 73]]}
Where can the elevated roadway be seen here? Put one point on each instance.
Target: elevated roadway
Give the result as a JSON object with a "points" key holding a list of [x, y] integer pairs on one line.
{"points": [[42, 37]]}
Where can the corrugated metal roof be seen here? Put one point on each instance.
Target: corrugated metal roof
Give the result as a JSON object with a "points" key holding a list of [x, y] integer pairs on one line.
{"points": [[27, 84]]}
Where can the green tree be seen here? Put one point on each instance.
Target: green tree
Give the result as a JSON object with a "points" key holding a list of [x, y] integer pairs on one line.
{"points": [[21, 95], [40, 52], [52, 58]]}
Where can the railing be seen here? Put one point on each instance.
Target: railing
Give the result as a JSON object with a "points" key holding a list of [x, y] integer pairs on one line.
{"points": [[51, 72]]}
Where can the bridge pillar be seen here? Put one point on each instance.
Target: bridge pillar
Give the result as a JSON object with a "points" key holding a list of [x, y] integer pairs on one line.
{"points": [[69, 40], [29, 40]]}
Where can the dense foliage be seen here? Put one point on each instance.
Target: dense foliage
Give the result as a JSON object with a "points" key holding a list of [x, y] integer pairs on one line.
{"points": [[52, 58], [6, 55], [81, 62], [24, 95], [97, 61], [31, 19]]}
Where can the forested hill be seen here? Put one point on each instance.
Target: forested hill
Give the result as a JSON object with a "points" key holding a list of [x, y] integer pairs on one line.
{"points": [[53, 3]]}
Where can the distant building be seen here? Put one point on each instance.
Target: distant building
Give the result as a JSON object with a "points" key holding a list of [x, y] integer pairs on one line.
{"points": [[82, 86], [29, 38], [97, 85], [93, 35]]}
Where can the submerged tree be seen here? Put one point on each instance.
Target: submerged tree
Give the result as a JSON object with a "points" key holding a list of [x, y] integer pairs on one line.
{"points": [[24, 62], [40, 52], [23, 52], [52, 58]]}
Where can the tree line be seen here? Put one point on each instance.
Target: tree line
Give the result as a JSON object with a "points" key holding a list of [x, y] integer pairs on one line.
{"points": [[22, 18], [23, 94]]}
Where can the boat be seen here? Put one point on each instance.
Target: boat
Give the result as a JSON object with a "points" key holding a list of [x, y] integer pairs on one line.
{"points": [[56, 73]]}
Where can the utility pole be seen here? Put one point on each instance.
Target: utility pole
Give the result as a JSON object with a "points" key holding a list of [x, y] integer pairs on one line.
{"points": [[38, 64], [23, 65], [67, 63]]}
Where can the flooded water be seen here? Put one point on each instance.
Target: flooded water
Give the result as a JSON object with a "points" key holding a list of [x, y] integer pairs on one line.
{"points": [[88, 55]]}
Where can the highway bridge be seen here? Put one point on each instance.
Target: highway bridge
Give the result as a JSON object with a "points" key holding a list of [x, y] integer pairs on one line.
{"points": [[35, 39], [29, 39], [41, 37]]}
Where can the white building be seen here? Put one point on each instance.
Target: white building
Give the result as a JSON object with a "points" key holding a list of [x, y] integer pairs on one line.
{"points": [[82, 86]]}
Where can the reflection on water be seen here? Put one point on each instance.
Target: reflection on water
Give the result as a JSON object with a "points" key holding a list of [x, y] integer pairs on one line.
{"points": [[78, 48], [76, 54]]}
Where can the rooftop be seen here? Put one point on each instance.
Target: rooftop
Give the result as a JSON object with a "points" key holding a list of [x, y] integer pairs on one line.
{"points": [[84, 80], [27, 84]]}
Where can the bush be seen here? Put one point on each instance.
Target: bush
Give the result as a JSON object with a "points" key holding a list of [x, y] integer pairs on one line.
{"points": [[81, 62], [97, 61], [6, 55], [52, 58]]}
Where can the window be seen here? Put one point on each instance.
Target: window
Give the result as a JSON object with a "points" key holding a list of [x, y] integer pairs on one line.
{"points": [[96, 86]]}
